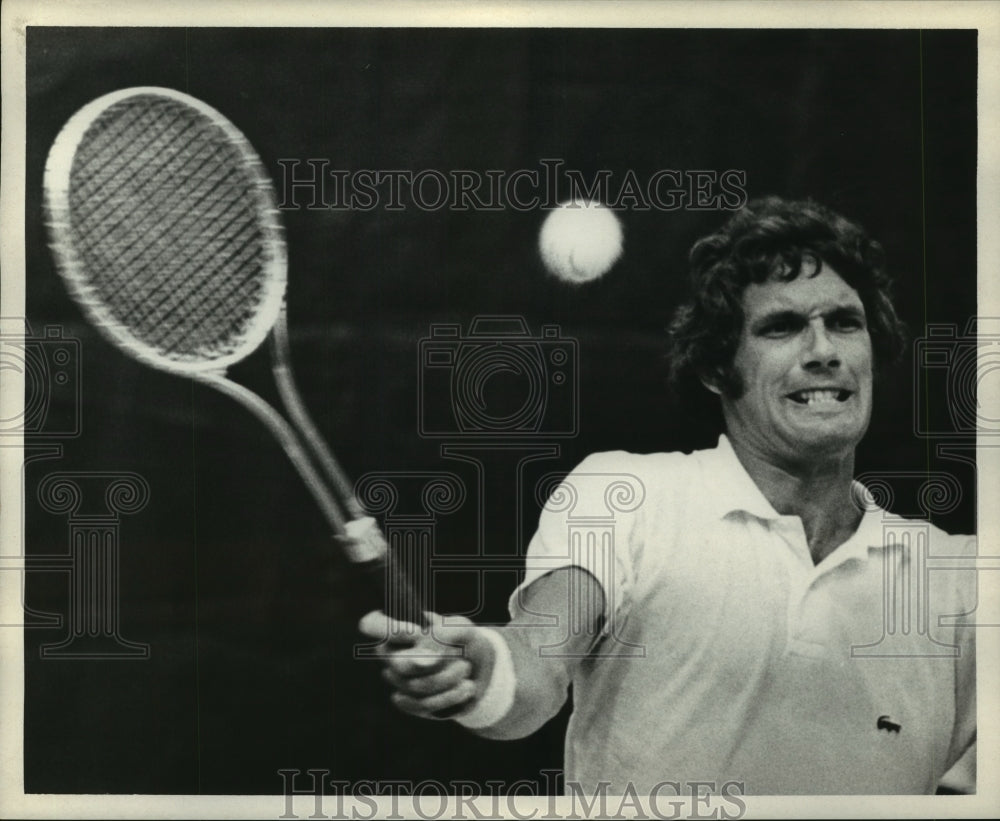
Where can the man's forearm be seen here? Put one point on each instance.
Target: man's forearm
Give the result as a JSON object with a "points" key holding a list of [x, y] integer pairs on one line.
{"points": [[540, 689], [541, 676]]}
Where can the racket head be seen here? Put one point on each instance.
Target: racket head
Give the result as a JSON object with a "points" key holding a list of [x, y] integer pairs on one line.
{"points": [[163, 224]]}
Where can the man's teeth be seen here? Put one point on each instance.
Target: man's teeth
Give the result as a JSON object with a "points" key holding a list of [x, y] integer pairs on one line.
{"points": [[812, 397]]}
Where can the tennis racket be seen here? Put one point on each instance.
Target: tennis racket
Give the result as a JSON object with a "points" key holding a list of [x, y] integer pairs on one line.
{"points": [[163, 224]]}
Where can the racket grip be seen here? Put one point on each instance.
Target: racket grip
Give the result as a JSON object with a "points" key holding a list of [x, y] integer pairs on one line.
{"points": [[380, 574], [385, 581]]}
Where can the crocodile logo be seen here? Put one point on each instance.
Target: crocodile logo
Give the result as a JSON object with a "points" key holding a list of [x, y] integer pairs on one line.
{"points": [[884, 723]]}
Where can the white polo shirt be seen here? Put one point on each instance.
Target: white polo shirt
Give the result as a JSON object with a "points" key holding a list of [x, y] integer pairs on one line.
{"points": [[730, 657]]}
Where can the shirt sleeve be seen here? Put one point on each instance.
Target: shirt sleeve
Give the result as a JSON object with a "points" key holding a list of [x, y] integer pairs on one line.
{"points": [[591, 520]]}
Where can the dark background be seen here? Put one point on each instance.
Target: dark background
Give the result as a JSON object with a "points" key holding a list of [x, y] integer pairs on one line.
{"points": [[227, 574]]}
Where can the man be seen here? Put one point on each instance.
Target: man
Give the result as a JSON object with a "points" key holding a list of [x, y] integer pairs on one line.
{"points": [[728, 628]]}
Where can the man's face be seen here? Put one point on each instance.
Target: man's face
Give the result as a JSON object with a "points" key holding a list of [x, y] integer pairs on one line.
{"points": [[805, 359]]}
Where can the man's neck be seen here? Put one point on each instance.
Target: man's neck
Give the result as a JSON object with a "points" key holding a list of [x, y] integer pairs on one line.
{"points": [[818, 492]]}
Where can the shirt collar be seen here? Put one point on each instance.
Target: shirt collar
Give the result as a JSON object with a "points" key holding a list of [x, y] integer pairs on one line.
{"points": [[871, 530], [734, 490]]}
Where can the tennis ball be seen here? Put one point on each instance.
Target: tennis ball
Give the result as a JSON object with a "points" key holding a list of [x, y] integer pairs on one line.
{"points": [[580, 240]]}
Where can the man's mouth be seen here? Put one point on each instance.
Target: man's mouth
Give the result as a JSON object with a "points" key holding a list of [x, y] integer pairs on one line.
{"points": [[819, 396]]}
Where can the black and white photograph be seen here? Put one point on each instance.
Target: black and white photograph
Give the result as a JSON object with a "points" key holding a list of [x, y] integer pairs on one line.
{"points": [[441, 411]]}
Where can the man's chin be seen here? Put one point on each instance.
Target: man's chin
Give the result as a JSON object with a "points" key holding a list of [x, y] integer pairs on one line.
{"points": [[827, 443]]}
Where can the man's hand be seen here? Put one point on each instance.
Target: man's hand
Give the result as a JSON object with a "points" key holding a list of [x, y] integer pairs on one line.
{"points": [[445, 671], [438, 673]]}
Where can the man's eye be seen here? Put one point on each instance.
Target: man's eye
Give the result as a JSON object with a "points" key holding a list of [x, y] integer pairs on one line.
{"points": [[781, 328], [848, 323]]}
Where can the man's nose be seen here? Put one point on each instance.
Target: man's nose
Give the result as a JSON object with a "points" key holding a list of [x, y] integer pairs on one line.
{"points": [[821, 350]]}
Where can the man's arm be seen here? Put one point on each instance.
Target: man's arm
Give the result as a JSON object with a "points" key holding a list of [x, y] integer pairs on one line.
{"points": [[451, 670]]}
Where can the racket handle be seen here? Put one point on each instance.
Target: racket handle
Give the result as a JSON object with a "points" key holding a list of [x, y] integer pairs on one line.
{"points": [[383, 578], [380, 573], [386, 581]]}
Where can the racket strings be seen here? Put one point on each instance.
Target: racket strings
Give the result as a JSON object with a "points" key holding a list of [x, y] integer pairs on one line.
{"points": [[137, 258], [180, 227], [166, 220], [147, 294], [123, 207], [103, 176], [163, 299]]}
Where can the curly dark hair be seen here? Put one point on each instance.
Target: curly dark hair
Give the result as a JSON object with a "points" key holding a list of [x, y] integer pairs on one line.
{"points": [[773, 238]]}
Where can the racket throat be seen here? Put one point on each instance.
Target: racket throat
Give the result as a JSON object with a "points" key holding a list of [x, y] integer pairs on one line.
{"points": [[282, 370]]}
